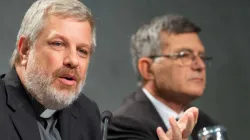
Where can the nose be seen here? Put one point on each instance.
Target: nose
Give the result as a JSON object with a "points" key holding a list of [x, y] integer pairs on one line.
{"points": [[71, 58], [198, 64]]}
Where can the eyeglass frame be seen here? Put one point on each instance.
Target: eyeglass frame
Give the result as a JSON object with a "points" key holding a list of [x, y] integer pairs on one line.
{"points": [[180, 54]]}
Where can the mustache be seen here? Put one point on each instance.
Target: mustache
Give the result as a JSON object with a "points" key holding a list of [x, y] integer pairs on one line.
{"points": [[62, 71]]}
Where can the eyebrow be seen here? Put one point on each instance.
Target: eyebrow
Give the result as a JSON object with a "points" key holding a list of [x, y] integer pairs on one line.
{"points": [[189, 50], [54, 34], [184, 49]]}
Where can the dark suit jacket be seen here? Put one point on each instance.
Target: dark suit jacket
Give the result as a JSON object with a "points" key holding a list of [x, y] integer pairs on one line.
{"points": [[137, 119], [80, 121]]}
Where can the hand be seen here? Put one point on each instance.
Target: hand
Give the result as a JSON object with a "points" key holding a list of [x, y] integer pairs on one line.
{"points": [[182, 129]]}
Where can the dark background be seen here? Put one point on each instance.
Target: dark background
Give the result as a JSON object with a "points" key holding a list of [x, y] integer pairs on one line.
{"points": [[225, 34]]}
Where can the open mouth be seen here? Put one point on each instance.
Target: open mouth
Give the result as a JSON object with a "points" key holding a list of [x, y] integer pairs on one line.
{"points": [[68, 79]]}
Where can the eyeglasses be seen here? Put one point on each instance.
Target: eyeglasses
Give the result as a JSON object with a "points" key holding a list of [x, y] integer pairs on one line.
{"points": [[186, 57]]}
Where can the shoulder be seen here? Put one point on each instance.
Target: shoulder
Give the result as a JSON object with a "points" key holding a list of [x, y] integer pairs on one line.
{"points": [[86, 102], [133, 109], [135, 105], [125, 127], [2, 92], [206, 120], [89, 117], [131, 121], [88, 106]]}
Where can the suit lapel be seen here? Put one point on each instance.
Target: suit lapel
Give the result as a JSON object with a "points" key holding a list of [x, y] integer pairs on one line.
{"points": [[68, 122], [26, 125], [140, 96], [23, 116]]}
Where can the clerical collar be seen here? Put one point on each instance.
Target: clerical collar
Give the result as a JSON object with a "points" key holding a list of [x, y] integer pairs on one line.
{"points": [[47, 113], [39, 109]]}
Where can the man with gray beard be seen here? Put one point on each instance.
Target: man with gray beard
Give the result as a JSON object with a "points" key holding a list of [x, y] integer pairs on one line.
{"points": [[41, 97]]}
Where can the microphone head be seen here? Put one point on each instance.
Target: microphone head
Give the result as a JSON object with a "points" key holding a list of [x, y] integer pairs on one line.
{"points": [[106, 114]]}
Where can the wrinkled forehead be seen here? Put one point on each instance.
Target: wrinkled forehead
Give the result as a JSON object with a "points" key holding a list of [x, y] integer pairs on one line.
{"points": [[182, 41], [68, 30]]}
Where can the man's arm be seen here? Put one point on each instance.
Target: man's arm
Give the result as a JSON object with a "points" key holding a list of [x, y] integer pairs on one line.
{"points": [[129, 128]]}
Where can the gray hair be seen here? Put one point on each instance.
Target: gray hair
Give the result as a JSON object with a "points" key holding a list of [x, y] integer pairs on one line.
{"points": [[146, 41], [34, 18]]}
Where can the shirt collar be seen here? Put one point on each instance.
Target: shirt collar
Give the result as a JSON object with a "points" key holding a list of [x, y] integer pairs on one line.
{"points": [[164, 111], [39, 109]]}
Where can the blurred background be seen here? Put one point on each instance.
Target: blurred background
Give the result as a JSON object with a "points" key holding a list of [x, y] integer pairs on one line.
{"points": [[225, 34]]}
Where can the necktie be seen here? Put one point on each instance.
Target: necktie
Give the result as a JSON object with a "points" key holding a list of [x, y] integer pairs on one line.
{"points": [[49, 132], [51, 128]]}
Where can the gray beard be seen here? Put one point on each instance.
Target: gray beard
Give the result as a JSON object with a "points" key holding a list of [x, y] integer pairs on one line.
{"points": [[39, 85]]}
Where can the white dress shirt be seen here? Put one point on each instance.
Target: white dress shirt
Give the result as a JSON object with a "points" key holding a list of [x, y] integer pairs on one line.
{"points": [[163, 110]]}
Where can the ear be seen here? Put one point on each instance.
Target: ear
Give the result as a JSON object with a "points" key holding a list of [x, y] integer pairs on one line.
{"points": [[23, 50], [144, 67]]}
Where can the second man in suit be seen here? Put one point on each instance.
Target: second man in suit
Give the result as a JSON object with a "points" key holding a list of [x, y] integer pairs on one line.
{"points": [[170, 60]]}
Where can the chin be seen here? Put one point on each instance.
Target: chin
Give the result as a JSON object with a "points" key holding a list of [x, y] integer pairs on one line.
{"points": [[196, 92], [195, 89]]}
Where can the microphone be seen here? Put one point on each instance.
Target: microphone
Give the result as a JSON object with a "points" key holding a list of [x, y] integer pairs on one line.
{"points": [[106, 118]]}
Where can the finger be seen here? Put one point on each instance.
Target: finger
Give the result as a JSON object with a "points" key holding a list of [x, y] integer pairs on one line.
{"points": [[188, 126], [188, 121], [176, 133], [183, 120], [196, 114], [161, 134], [195, 111]]}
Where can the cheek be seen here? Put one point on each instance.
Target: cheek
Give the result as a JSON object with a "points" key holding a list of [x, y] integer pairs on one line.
{"points": [[83, 69], [179, 77], [182, 74], [165, 76], [51, 62], [195, 87]]}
